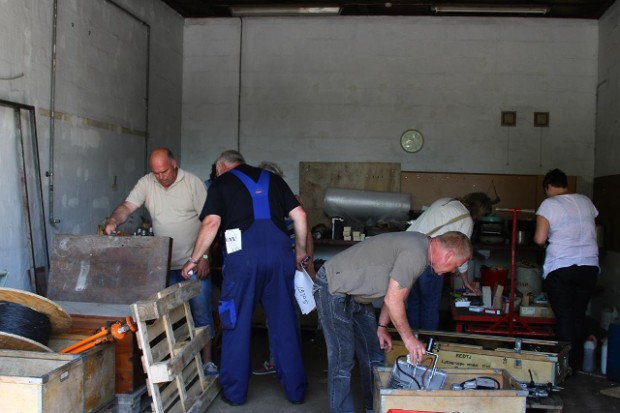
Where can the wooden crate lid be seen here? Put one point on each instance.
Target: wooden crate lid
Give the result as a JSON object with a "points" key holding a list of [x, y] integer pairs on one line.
{"points": [[107, 269]]}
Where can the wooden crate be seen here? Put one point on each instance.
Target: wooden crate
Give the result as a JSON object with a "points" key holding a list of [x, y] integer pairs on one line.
{"points": [[171, 348], [95, 279], [99, 370], [510, 398], [89, 317], [37, 382], [96, 368], [548, 363]]}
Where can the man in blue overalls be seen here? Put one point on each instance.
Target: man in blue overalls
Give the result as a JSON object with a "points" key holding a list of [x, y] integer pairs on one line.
{"points": [[249, 204]]}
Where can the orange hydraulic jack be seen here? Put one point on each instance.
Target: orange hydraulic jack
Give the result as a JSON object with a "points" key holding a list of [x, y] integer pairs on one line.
{"points": [[114, 331]]}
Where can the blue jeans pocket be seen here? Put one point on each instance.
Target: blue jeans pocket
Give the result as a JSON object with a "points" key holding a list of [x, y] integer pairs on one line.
{"points": [[228, 314]]}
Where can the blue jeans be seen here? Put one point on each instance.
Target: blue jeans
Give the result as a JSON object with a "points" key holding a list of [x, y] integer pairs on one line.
{"points": [[569, 290], [201, 304], [423, 301], [350, 329]]}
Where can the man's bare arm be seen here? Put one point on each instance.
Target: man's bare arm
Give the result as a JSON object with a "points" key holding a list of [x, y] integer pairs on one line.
{"points": [[119, 216]]}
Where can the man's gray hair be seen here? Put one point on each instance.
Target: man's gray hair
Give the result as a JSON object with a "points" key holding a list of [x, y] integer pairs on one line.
{"points": [[230, 157], [271, 167], [458, 243]]}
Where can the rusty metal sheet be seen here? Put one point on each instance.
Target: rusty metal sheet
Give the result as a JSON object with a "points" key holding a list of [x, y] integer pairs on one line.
{"points": [[110, 270]]}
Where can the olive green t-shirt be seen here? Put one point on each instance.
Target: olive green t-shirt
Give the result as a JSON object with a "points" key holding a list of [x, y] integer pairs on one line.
{"points": [[364, 270]]}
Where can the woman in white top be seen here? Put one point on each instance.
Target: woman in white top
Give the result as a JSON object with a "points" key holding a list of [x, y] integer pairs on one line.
{"points": [[566, 222]]}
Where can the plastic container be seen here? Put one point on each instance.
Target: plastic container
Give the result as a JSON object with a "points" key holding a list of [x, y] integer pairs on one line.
{"points": [[589, 347], [613, 354], [609, 314], [492, 276], [604, 347]]}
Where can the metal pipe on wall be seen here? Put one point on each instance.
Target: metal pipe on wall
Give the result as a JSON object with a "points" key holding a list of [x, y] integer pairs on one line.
{"points": [[50, 171]]}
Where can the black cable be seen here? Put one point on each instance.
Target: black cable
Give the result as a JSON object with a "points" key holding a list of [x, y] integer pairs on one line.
{"points": [[499, 386], [23, 321], [405, 373]]}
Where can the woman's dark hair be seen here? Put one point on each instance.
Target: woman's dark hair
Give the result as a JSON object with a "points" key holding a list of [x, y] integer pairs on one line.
{"points": [[478, 204], [556, 178]]}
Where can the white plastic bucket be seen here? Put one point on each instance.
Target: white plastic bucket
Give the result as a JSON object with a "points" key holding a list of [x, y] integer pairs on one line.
{"points": [[529, 279], [608, 315]]}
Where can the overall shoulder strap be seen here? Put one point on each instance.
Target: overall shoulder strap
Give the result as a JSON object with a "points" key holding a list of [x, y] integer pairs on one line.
{"points": [[259, 191]]}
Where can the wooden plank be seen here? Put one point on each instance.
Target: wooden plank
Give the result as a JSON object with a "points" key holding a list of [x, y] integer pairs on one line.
{"points": [[514, 191], [166, 371], [551, 404], [166, 300], [111, 270], [112, 312], [316, 177]]}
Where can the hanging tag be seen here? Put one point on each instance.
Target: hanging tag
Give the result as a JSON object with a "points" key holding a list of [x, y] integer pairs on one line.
{"points": [[233, 240]]}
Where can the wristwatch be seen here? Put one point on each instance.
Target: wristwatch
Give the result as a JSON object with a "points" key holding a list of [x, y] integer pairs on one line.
{"points": [[192, 261]]}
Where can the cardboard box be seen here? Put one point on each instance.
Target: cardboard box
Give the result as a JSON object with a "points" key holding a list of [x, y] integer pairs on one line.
{"points": [[534, 310], [509, 398]]}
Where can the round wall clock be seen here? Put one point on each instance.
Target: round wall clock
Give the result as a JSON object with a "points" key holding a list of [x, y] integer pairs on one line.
{"points": [[412, 140]]}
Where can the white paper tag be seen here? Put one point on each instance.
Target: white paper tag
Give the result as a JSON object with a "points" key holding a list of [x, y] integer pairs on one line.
{"points": [[303, 291], [233, 240]]}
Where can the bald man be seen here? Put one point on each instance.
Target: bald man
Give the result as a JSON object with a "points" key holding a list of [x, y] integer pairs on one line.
{"points": [[174, 199]]}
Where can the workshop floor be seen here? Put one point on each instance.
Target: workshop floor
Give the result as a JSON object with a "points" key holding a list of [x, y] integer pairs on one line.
{"points": [[580, 392]]}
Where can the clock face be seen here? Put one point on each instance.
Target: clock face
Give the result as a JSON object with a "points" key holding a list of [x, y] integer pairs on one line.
{"points": [[412, 140]]}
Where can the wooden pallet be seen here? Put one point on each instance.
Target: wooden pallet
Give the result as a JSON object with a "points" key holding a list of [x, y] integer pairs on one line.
{"points": [[171, 347], [551, 404]]}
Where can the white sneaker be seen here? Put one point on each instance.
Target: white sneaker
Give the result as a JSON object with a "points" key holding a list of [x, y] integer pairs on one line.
{"points": [[266, 368], [210, 369]]}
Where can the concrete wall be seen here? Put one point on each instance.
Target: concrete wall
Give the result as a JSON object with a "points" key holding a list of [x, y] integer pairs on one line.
{"points": [[116, 94], [344, 89], [608, 138], [210, 91]]}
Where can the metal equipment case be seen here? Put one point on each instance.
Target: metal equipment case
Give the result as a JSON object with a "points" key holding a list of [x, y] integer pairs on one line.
{"points": [[546, 360]]}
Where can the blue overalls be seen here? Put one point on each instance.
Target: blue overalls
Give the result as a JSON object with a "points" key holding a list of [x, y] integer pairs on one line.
{"points": [[262, 271]]}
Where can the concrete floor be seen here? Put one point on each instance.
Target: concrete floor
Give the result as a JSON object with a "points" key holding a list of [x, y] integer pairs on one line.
{"points": [[580, 394]]}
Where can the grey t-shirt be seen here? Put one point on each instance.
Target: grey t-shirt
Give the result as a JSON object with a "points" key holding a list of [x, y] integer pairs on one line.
{"points": [[364, 270]]}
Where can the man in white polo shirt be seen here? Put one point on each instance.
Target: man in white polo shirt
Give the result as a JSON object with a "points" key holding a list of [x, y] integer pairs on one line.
{"points": [[174, 199]]}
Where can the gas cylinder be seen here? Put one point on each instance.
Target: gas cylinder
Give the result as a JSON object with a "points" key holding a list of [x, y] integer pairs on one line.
{"points": [[589, 346]]}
